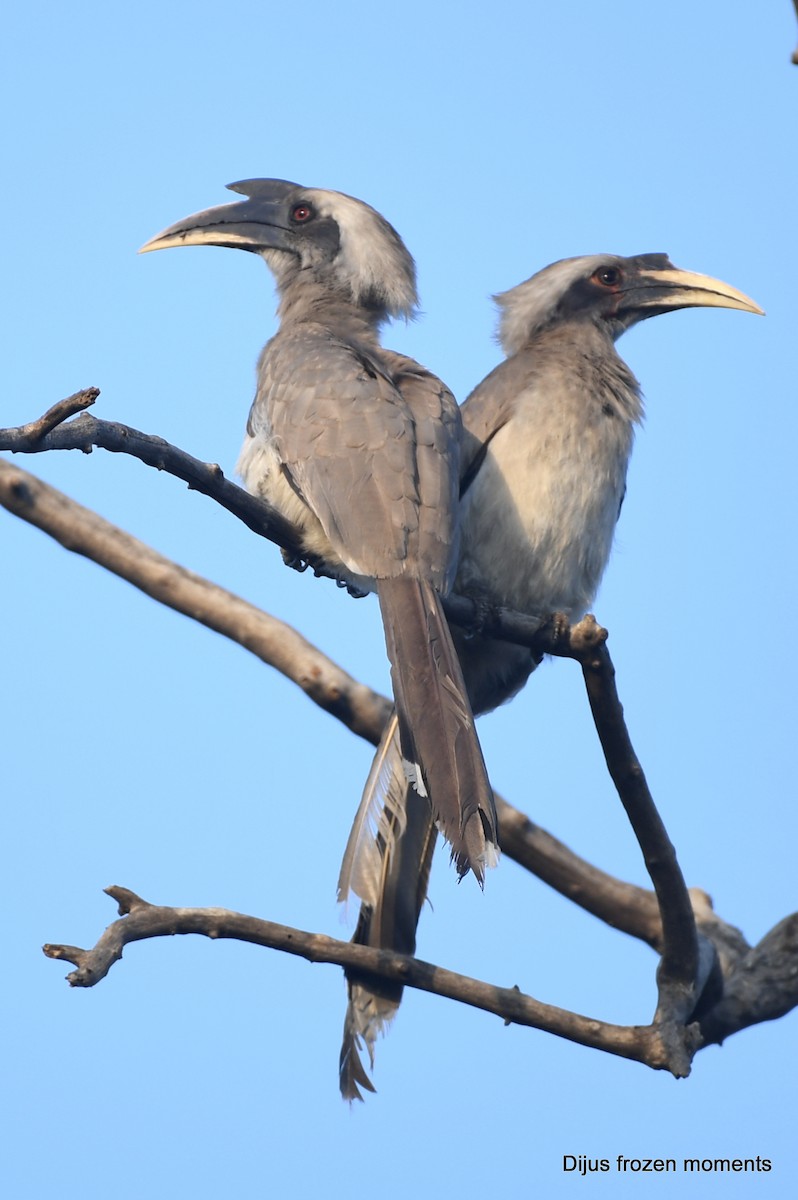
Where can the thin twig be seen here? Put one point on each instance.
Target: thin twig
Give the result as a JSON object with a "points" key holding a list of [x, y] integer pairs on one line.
{"points": [[86, 432], [34, 431]]}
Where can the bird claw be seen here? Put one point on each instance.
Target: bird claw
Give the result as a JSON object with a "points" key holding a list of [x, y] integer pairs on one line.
{"points": [[301, 564], [485, 614], [559, 625], [355, 592], [292, 561]]}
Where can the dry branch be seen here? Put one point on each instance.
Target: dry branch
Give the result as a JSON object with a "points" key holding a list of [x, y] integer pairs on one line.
{"points": [[760, 982], [85, 532], [363, 711], [762, 985], [677, 977], [625, 906], [55, 431], [141, 920]]}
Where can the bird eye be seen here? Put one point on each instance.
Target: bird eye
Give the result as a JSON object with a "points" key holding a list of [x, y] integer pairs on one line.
{"points": [[302, 212], [608, 276]]}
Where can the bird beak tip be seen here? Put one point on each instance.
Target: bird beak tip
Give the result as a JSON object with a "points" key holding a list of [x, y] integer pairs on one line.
{"points": [[178, 237], [748, 305], [686, 289], [161, 241]]}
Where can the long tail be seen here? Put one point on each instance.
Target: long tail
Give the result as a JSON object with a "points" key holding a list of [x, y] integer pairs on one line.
{"points": [[442, 755], [388, 923], [389, 855]]}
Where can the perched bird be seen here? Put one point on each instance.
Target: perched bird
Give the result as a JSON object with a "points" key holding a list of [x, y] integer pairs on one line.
{"points": [[547, 440], [360, 448]]}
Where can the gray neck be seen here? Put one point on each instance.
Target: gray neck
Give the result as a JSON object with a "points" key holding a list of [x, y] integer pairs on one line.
{"points": [[306, 295], [587, 349]]}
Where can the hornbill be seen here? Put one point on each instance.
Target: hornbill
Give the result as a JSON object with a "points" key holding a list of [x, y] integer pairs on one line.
{"points": [[360, 448], [547, 440]]}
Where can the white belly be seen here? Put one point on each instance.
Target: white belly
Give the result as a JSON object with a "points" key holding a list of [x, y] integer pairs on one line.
{"points": [[539, 518]]}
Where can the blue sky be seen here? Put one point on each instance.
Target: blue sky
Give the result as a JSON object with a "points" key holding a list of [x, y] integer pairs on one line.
{"points": [[142, 750]]}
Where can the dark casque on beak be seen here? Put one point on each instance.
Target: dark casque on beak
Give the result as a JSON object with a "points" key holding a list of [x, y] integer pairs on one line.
{"points": [[257, 223]]}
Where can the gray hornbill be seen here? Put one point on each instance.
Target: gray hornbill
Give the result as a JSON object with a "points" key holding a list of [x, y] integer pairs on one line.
{"points": [[547, 440], [360, 448]]}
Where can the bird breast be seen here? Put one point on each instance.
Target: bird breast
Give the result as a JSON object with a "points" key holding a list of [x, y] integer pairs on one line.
{"points": [[539, 518]]}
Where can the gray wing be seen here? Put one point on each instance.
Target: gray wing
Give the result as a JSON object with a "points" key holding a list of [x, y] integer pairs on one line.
{"points": [[438, 433], [485, 411], [372, 447]]}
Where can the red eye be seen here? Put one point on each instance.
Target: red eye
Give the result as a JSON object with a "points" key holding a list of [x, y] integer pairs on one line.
{"points": [[302, 212], [608, 277]]}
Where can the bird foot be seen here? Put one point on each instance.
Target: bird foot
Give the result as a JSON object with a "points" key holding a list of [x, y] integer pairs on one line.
{"points": [[485, 614], [557, 626], [292, 561], [321, 572], [355, 592]]}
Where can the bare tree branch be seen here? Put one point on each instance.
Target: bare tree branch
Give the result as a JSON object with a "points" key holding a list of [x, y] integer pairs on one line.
{"points": [[54, 431], [141, 920], [85, 532], [34, 431], [625, 906], [677, 977], [665, 920], [762, 986]]}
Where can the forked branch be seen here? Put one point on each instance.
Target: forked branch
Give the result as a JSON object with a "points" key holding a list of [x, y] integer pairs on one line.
{"points": [[140, 920], [664, 919], [764, 987]]}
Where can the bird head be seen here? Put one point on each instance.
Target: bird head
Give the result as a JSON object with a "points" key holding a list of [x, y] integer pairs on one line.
{"points": [[309, 234], [611, 291]]}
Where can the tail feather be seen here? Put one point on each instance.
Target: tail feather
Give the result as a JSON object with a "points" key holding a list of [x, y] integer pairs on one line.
{"points": [[380, 820], [443, 759], [390, 924], [428, 771], [361, 1027]]}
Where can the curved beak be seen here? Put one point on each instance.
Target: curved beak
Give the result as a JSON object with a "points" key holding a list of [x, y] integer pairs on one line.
{"points": [[255, 224], [668, 288]]}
